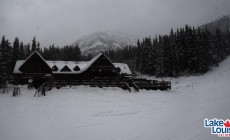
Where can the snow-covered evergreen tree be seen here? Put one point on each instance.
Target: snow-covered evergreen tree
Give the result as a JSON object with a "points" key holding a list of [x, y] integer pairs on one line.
{"points": [[5, 50]]}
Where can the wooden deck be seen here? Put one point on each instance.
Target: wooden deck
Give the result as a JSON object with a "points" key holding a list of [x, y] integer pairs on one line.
{"points": [[125, 84]]}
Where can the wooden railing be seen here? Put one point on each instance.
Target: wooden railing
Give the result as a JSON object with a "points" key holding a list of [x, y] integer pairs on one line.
{"points": [[126, 84], [43, 88]]}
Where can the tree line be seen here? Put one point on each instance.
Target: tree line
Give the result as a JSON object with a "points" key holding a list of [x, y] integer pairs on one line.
{"points": [[10, 53], [187, 51]]}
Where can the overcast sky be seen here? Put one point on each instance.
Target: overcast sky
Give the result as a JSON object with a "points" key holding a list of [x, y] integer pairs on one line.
{"points": [[62, 22]]}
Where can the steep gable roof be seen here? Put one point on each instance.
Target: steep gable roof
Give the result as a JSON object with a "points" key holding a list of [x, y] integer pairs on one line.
{"points": [[102, 60], [73, 67], [35, 64]]}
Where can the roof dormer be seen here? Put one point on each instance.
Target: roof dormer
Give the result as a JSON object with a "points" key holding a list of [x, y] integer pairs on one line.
{"points": [[65, 69]]}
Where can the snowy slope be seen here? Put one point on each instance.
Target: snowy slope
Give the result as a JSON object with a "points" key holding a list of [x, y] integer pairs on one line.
{"points": [[222, 23], [114, 114], [101, 41]]}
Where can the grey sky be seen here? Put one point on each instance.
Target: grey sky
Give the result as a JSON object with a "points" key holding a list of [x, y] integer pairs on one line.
{"points": [[61, 22]]}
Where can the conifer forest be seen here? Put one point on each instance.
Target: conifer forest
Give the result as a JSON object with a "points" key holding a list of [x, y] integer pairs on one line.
{"points": [[186, 51]]}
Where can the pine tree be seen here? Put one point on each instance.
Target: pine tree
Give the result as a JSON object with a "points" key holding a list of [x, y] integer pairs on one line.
{"points": [[16, 49], [160, 48], [204, 53], [1, 61], [21, 51], [15, 56], [3, 64], [138, 55], [34, 45], [77, 53], [5, 50], [46, 54], [38, 47], [27, 50]]}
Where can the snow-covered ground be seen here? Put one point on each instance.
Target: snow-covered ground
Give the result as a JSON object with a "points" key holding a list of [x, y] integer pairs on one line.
{"points": [[84, 113]]}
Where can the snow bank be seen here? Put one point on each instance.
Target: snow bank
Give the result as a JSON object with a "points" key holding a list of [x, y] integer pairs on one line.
{"points": [[111, 113]]}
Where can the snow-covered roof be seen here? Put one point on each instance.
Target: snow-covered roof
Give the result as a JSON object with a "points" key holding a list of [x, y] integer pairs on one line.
{"points": [[18, 65], [83, 65], [124, 68], [70, 64]]}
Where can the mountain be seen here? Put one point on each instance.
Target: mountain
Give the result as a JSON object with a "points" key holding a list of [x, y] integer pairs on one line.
{"points": [[223, 23], [101, 41]]}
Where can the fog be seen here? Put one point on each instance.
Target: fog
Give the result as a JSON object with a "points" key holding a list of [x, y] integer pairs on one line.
{"points": [[61, 22]]}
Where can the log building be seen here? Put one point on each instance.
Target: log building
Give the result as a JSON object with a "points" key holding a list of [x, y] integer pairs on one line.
{"points": [[99, 67], [98, 72]]}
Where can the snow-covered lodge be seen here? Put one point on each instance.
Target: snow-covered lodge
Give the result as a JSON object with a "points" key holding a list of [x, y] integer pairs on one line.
{"points": [[99, 67], [99, 71]]}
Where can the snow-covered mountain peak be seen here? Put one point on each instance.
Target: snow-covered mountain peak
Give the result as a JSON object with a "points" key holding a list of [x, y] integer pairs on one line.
{"points": [[101, 41]]}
